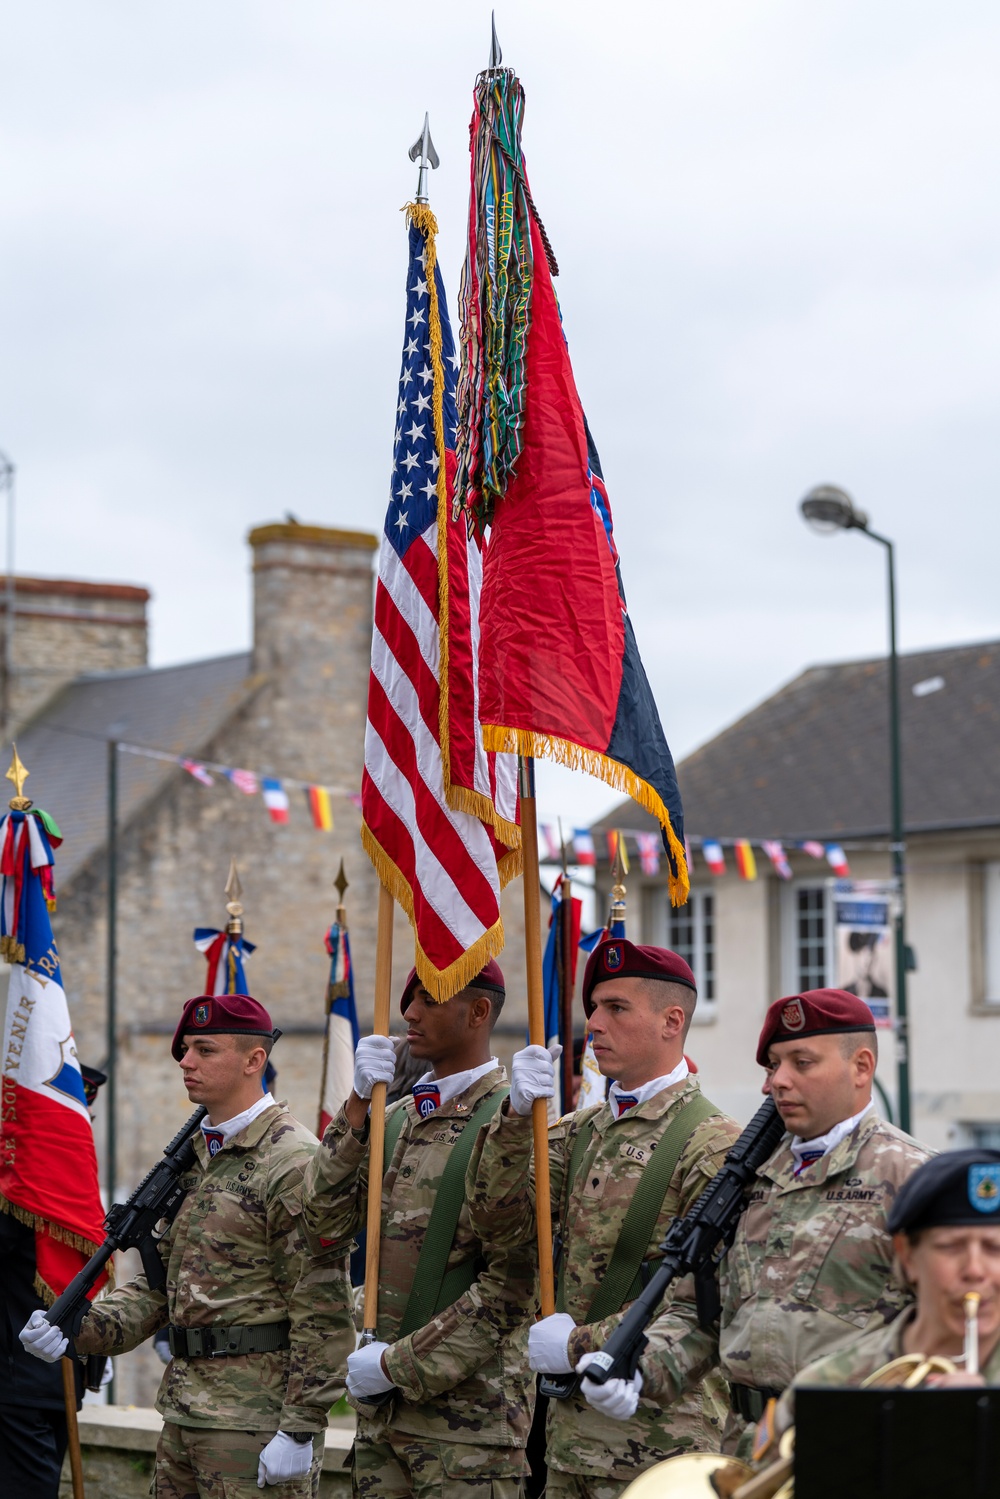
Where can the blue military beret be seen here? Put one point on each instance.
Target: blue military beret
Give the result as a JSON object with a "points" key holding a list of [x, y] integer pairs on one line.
{"points": [[959, 1189]]}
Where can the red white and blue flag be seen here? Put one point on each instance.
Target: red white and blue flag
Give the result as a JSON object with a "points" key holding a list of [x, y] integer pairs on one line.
{"points": [[714, 857], [48, 1165], [837, 860], [439, 813], [776, 853], [341, 1028], [275, 799], [225, 956]]}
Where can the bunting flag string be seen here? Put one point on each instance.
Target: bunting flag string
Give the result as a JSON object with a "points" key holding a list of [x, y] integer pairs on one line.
{"points": [[581, 851]]}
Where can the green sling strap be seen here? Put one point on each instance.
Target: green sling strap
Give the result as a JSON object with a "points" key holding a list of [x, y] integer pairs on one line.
{"points": [[623, 1279], [434, 1286]]}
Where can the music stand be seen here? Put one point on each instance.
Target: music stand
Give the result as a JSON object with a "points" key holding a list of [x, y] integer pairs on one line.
{"points": [[897, 1444]]}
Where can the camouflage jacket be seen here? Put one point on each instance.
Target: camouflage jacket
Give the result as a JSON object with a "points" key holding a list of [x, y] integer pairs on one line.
{"points": [[810, 1267], [235, 1255], [588, 1217], [459, 1378], [852, 1364]]}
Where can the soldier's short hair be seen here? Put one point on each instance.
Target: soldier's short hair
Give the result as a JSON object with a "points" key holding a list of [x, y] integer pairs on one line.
{"points": [[661, 994], [852, 1041], [495, 998], [246, 1042]]}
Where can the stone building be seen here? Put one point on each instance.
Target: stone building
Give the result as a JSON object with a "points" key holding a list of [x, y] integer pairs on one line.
{"points": [[811, 763], [294, 707]]}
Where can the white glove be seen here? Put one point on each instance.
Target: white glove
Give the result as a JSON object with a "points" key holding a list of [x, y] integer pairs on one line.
{"points": [[374, 1062], [284, 1458], [42, 1339], [617, 1398], [365, 1376], [109, 1372], [548, 1343], [533, 1075]]}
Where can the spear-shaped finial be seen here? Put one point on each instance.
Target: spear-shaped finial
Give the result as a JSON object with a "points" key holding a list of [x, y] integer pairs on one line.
{"points": [[423, 150], [340, 884], [17, 773], [234, 926], [619, 869], [496, 54]]}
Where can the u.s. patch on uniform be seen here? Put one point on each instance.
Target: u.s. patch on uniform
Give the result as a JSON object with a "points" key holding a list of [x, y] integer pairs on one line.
{"points": [[984, 1188]]}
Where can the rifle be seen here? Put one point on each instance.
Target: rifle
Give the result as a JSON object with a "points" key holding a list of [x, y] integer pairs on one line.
{"points": [[131, 1225], [695, 1244]]}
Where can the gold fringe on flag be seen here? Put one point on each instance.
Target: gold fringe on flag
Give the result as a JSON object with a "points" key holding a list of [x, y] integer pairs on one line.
{"points": [[62, 1236], [616, 775], [440, 984]]}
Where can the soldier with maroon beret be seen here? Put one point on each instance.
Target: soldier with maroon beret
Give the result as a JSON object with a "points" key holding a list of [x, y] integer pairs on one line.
{"points": [[811, 1266], [639, 1002], [259, 1328]]}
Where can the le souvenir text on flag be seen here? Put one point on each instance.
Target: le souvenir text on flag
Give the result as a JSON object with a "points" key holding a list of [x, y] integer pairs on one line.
{"points": [[341, 1038], [48, 1165], [560, 673], [439, 813]]}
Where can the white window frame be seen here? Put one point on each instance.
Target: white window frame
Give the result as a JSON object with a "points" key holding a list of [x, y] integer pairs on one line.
{"points": [[991, 934], [790, 973], [706, 1010]]}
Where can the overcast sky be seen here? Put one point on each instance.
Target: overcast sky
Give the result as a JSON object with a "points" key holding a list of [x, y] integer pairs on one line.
{"points": [[777, 225]]}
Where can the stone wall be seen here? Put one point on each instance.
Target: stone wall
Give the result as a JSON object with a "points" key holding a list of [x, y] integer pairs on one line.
{"points": [[64, 628]]}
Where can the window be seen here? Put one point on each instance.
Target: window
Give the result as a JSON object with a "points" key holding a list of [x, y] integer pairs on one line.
{"points": [[691, 934], [810, 937], [991, 932], [984, 1136], [807, 936]]}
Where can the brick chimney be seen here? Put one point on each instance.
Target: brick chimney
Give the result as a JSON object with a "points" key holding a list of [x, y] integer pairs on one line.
{"points": [[313, 614], [63, 628]]}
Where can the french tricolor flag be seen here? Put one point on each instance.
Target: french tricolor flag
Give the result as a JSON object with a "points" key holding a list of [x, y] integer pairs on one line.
{"points": [[583, 846], [275, 799], [837, 860], [713, 856], [48, 1165]]}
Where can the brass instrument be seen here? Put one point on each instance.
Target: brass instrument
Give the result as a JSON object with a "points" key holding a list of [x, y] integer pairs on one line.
{"points": [[704, 1475]]}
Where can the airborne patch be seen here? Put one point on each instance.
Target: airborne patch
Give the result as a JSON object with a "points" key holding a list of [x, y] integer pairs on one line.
{"points": [[202, 1014], [612, 958]]}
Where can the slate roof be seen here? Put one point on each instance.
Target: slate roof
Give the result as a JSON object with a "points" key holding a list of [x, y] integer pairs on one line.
{"points": [[813, 760], [174, 708]]}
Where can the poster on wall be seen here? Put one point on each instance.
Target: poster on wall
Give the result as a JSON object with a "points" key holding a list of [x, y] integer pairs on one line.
{"points": [[864, 941]]}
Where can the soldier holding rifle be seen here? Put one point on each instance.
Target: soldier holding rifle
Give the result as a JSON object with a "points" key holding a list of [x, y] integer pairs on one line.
{"points": [[441, 1393], [811, 1264], [258, 1329], [655, 1143]]}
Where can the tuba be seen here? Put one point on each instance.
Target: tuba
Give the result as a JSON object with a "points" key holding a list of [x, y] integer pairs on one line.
{"points": [[711, 1475]]}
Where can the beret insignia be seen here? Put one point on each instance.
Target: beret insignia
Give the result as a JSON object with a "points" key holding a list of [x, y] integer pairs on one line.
{"points": [[202, 1014], [984, 1188], [612, 958], [793, 1016]]}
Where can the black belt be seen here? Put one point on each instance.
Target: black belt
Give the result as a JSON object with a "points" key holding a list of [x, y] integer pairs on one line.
{"points": [[228, 1342], [747, 1401]]}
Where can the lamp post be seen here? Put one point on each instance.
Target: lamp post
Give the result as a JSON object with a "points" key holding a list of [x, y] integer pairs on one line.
{"points": [[828, 509]]}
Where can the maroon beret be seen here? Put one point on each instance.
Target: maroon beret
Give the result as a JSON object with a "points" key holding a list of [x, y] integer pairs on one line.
{"points": [[615, 958], [490, 977], [221, 1015], [817, 1012]]}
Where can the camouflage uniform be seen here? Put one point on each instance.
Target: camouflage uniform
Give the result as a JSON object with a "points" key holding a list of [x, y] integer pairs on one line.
{"points": [[810, 1268], [236, 1255], [590, 1454], [459, 1418], [852, 1364]]}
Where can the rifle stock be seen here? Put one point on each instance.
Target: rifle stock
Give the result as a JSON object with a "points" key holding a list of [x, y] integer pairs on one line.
{"points": [[131, 1225]]}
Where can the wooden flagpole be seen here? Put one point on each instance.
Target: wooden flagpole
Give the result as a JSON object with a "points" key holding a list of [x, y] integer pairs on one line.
{"points": [[72, 1429], [536, 1028], [376, 1124]]}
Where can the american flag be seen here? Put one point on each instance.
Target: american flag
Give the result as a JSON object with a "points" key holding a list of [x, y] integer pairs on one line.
{"points": [[439, 814]]}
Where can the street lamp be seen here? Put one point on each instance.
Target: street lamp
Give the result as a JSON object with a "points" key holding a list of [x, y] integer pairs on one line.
{"points": [[828, 509]]}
